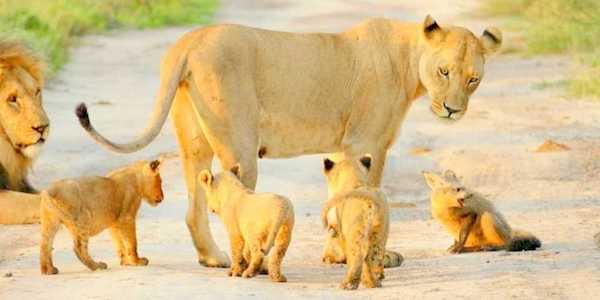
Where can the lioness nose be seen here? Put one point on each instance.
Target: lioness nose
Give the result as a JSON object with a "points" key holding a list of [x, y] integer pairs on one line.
{"points": [[450, 110], [40, 128]]}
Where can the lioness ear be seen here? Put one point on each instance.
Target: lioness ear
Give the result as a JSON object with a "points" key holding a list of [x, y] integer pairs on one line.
{"points": [[431, 29], [366, 161], [236, 171], [205, 177], [434, 181], [491, 39], [328, 164], [154, 165]]}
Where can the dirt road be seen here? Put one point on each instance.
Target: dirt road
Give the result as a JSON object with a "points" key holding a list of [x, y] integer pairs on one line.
{"points": [[556, 195]]}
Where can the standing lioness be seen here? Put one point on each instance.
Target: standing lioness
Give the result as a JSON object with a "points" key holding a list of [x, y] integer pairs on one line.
{"points": [[88, 205], [239, 92]]}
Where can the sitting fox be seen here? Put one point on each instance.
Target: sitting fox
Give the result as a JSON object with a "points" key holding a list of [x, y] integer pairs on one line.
{"points": [[472, 220], [88, 205], [358, 216], [256, 222]]}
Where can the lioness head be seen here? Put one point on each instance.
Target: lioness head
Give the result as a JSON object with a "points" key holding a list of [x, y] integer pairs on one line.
{"points": [[347, 174], [218, 187], [452, 65], [152, 183], [446, 190], [23, 121]]}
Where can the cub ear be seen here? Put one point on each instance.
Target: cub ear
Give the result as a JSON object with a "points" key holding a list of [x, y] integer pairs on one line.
{"points": [[205, 177], [366, 161], [154, 165], [328, 164], [491, 39], [431, 29], [434, 181], [236, 171]]}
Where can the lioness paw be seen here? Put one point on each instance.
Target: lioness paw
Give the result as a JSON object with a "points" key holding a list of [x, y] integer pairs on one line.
{"points": [[49, 270], [102, 266], [392, 259], [142, 261]]}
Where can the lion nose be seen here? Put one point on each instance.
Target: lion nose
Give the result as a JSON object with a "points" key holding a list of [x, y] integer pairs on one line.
{"points": [[41, 129], [450, 110]]}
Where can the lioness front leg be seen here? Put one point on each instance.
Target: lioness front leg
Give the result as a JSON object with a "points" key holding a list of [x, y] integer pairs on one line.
{"points": [[81, 250], [128, 233]]}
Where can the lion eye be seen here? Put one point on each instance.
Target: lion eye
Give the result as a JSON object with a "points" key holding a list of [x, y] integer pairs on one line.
{"points": [[443, 71]]}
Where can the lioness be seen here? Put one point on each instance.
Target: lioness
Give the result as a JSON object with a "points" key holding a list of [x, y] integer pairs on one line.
{"points": [[239, 92], [472, 220], [88, 205], [358, 216], [255, 222]]}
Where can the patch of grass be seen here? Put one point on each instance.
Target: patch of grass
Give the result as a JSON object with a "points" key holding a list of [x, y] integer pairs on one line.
{"points": [[51, 26], [560, 26]]}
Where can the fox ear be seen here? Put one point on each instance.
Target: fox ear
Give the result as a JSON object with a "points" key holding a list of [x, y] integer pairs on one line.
{"points": [[450, 175], [434, 181], [328, 164], [205, 177]]}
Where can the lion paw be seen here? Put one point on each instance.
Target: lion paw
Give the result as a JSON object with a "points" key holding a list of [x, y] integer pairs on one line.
{"points": [[49, 270], [221, 261]]}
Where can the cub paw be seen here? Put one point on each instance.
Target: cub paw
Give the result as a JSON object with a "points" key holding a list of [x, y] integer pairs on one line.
{"points": [[278, 278], [49, 270], [235, 272], [142, 261], [219, 261], [248, 274], [101, 266], [349, 285]]}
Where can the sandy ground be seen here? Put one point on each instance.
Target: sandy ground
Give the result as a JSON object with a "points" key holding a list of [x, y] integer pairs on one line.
{"points": [[555, 195]]}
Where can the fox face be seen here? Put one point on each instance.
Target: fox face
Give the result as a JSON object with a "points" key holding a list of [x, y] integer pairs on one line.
{"points": [[447, 190]]}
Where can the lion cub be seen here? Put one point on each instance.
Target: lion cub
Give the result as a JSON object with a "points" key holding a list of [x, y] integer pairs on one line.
{"points": [[88, 205], [358, 216], [255, 222], [471, 219]]}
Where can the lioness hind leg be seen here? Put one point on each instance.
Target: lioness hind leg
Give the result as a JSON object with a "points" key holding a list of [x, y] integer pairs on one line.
{"points": [[49, 227], [196, 155], [282, 242], [81, 250]]}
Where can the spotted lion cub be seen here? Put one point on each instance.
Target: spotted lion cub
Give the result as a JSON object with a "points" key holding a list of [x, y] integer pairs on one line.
{"points": [[357, 215], [88, 205], [256, 222]]}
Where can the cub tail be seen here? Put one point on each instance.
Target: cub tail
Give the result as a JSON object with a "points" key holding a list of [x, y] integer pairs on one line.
{"points": [[523, 241], [285, 211]]}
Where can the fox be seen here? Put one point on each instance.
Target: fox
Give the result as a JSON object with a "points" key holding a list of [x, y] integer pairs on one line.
{"points": [[472, 220]]}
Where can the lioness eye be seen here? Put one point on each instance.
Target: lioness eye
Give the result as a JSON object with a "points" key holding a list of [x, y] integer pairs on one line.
{"points": [[12, 99], [38, 92], [473, 80], [444, 72]]}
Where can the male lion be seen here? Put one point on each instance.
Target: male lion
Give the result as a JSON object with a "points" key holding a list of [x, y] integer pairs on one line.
{"points": [[239, 92], [256, 222], [23, 130], [357, 215], [89, 205]]}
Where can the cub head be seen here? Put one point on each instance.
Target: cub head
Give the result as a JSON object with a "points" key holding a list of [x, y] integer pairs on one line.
{"points": [[217, 187], [446, 190], [152, 183], [23, 121], [347, 174], [452, 65]]}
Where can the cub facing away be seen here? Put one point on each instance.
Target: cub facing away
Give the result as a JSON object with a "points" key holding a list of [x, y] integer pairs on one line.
{"points": [[472, 220], [257, 223], [358, 216], [88, 205]]}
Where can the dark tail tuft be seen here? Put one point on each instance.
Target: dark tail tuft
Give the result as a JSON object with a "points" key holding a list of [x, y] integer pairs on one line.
{"points": [[524, 243], [82, 114]]}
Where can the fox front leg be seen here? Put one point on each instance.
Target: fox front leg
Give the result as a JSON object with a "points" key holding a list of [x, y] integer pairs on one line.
{"points": [[459, 245]]}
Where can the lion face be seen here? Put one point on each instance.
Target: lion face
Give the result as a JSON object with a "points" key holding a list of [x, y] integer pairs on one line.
{"points": [[152, 183], [452, 66], [22, 117]]}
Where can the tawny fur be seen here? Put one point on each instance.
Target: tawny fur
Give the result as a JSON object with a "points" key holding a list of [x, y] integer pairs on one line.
{"points": [[235, 91], [358, 217], [472, 220], [257, 223], [89, 205], [23, 130]]}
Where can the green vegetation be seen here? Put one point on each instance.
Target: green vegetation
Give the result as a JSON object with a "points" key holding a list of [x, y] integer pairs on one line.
{"points": [[560, 26], [51, 26]]}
